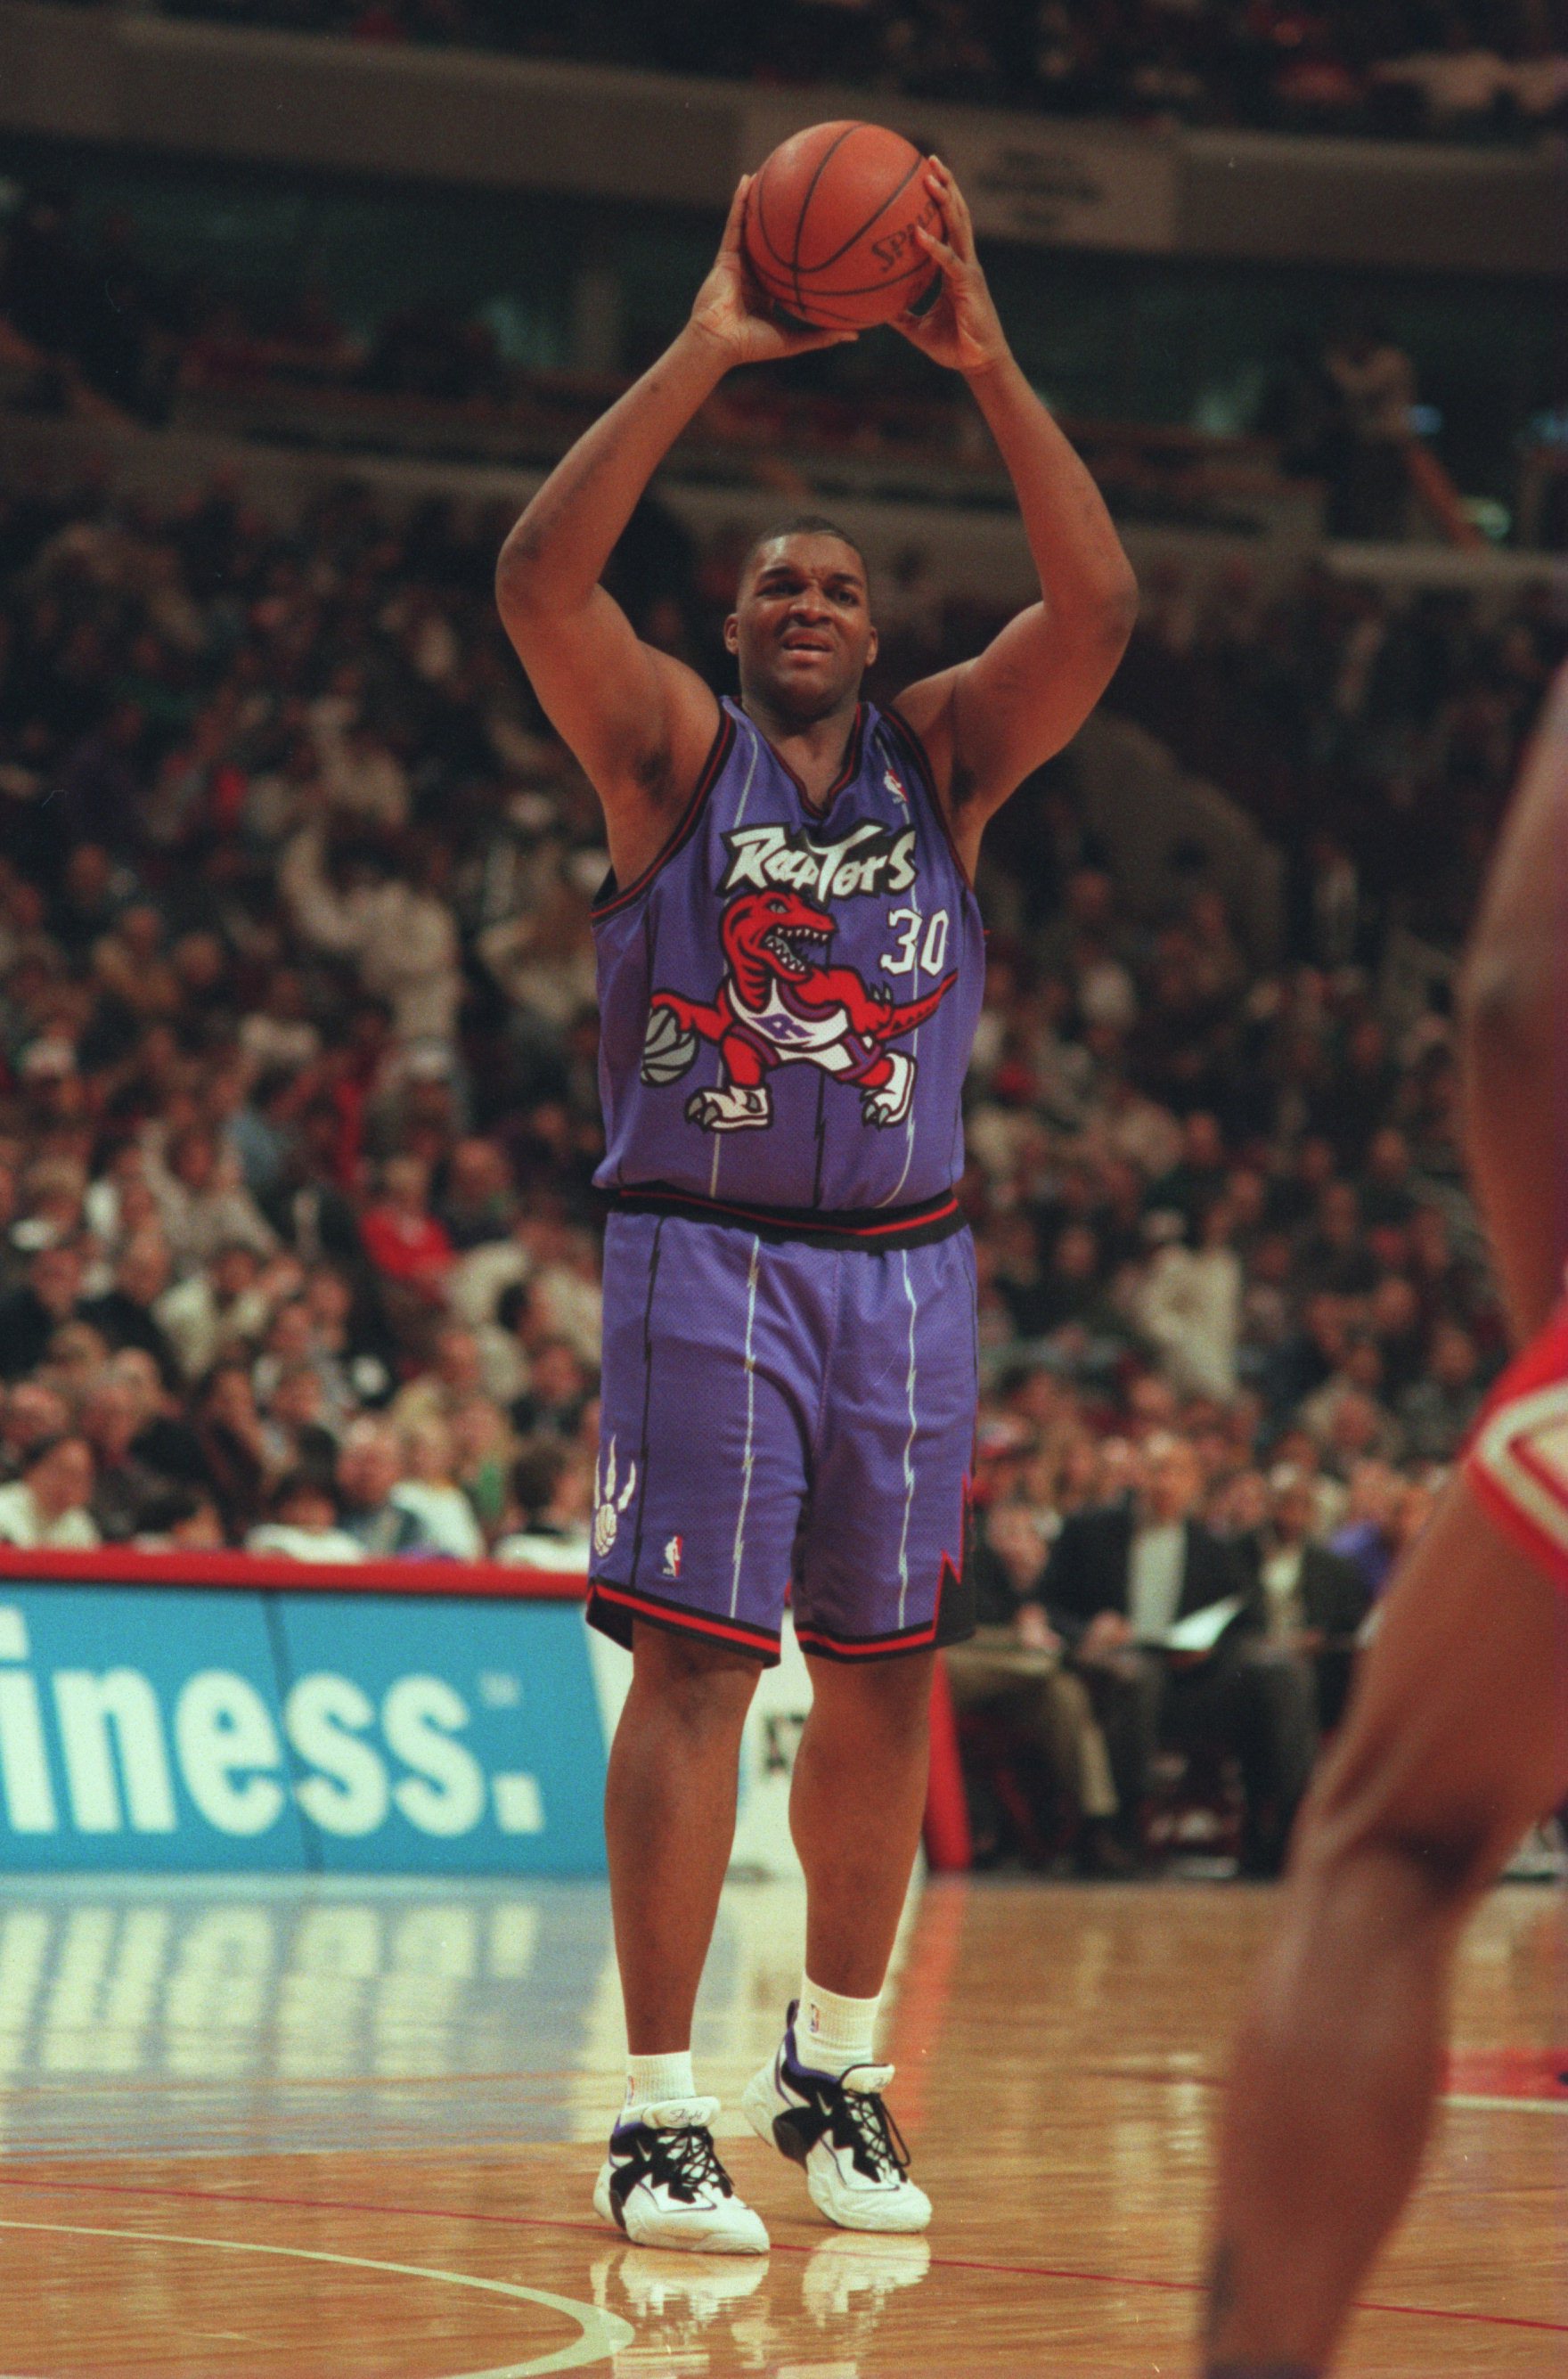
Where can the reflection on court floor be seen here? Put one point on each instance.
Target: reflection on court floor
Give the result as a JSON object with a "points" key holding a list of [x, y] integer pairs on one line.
{"points": [[182, 2017]]}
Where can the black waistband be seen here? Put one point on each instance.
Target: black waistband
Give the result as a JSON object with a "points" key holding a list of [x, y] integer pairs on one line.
{"points": [[870, 1227]]}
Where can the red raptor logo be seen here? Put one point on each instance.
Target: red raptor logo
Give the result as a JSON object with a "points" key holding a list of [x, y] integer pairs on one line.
{"points": [[782, 1003]]}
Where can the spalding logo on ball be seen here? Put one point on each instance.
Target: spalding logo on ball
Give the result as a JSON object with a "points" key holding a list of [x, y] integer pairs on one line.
{"points": [[830, 226]]}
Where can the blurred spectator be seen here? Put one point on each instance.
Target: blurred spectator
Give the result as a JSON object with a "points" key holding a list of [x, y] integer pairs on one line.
{"points": [[1118, 1580], [1368, 449], [221, 1305], [1403, 69], [557, 1392], [1437, 1410], [33, 1416], [45, 1508], [1315, 1600], [124, 1486], [302, 1523], [408, 1247], [234, 1445], [124, 1313], [180, 1521], [164, 1442], [1012, 1673], [294, 1430], [204, 1205], [429, 1492], [477, 1206], [1366, 1533], [453, 1375], [374, 913], [553, 1492], [1190, 1307], [368, 1467], [32, 1314]]}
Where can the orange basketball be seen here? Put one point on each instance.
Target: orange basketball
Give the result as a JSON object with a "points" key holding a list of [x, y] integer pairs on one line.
{"points": [[830, 225]]}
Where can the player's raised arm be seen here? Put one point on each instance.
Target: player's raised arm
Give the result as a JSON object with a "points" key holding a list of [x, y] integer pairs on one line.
{"points": [[639, 721], [988, 721], [1513, 1004]]}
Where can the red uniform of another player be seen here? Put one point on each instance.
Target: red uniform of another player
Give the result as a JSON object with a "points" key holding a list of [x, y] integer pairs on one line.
{"points": [[1517, 1461], [1457, 1737]]}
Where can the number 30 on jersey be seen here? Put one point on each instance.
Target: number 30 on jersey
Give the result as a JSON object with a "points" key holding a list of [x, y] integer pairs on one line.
{"points": [[911, 952]]}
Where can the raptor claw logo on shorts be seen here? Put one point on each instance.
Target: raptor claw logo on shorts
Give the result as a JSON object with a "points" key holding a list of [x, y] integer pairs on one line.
{"points": [[607, 1504], [782, 1002]]}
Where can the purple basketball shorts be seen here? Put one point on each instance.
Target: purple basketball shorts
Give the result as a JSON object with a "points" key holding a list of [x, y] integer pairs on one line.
{"points": [[784, 1420]]}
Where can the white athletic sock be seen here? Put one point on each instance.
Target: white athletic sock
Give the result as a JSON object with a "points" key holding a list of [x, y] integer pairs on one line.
{"points": [[831, 2032], [655, 2081]]}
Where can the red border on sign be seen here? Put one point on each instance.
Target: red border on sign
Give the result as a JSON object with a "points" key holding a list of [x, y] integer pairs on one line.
{"points": [[261, 1574]]}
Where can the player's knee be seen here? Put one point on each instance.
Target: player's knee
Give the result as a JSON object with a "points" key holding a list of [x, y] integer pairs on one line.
{"points": [[700, 1688], [874, 1715], [1438, 1858]]}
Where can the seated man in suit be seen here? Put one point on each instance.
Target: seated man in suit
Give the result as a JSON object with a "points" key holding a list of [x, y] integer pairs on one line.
{"points": [[1314, 1600], [1013, 1671], [1118, 1579]]}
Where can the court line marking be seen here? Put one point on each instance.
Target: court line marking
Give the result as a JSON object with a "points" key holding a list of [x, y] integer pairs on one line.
{"points": [[1506, 2106], [603, 2334], [1160, 2077], [781, 2246]]}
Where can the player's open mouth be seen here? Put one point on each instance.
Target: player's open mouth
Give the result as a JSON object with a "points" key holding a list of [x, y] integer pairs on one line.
{"points": [[780, 940], [815, 645]]}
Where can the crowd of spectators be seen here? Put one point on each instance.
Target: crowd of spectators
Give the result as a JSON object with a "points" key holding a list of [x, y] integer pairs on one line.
{"points": [[1484, 69], [298, 1108], [93, 322], [1374, 738], [83, 310]]}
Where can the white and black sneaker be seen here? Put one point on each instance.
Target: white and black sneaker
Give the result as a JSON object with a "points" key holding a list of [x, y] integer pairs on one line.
{"points": [[837, 2127], [662, 2183]]}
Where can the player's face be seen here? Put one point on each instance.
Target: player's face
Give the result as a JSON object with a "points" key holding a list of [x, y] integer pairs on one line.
{"points": [[802, 630]]}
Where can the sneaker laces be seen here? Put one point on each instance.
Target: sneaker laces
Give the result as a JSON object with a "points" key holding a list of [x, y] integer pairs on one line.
{"points": [[863, 2124], [686, 2162]]}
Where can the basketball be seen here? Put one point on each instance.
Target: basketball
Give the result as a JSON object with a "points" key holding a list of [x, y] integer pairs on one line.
{"points": [[668, 1052], [830, 225]]}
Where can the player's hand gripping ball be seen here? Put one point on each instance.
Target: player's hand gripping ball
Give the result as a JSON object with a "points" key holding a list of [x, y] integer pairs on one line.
{"points": [[832, 227]]}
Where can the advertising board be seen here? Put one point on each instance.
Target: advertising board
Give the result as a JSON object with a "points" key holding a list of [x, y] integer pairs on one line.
{"points": [[155, 1728]]}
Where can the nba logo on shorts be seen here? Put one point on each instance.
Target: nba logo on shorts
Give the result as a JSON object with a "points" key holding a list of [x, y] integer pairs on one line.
{"points": [[672, 1557]]}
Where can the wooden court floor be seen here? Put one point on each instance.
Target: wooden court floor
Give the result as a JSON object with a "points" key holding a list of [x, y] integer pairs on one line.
{"points": [[285, 2131]]}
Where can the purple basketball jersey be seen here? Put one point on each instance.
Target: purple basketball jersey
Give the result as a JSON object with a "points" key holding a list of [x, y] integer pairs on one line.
{"points": [[787, 998]]}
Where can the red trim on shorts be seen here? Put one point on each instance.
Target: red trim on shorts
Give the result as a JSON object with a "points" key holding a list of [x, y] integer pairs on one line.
{"points": [[1542, 1364], [866, 1647], [756, 1640]]}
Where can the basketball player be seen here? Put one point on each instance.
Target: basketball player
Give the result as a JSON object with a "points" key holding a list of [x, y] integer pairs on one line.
{"points": [[790, 964], [1457, 1736]]}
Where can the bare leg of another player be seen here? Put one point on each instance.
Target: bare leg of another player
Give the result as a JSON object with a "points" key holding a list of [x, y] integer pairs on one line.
{"points": [[1456, 1741], [856, 1805]]}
